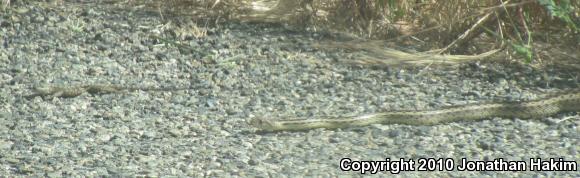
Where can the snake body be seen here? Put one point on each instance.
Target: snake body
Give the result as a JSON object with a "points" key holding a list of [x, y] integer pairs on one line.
{"points": [[76, 90], [535, 109]]}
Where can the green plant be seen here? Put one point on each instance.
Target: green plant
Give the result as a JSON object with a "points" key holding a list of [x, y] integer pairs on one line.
{"points": [[524, 47], [561, 10]]}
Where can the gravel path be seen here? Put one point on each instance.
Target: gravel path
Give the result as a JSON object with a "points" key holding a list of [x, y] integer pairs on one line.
{"points": [[236, 72]]}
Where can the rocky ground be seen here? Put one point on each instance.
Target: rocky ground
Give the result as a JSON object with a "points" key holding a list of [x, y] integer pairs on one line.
{"points": [[237, 72]]}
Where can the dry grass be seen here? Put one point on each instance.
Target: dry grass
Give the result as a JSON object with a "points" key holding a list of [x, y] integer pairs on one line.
{"points": [[461, 27]]}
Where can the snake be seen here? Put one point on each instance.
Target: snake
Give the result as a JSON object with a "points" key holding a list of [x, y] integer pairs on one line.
{"points": [[560, 102]]}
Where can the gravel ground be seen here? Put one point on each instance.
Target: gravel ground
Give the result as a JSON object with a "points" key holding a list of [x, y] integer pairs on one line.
{"points": [[236, 72]]}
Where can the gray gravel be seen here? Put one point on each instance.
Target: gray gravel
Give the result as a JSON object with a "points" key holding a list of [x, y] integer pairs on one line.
{"points": [[236, 72]]}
